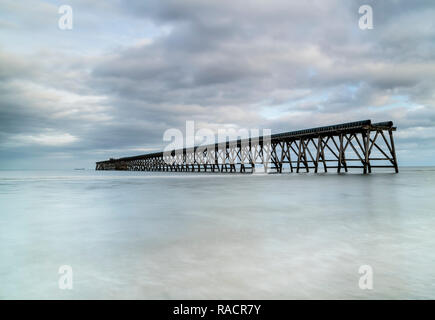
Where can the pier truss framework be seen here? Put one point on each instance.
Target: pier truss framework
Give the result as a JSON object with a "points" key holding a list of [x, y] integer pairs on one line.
{"points": [[359, 145]]}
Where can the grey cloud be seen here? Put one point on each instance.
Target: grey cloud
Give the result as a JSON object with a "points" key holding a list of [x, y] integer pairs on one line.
{"points": [[278, 64]]}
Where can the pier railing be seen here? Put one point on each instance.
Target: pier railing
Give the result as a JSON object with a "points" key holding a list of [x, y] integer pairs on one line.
{"points": [[355, 145]]}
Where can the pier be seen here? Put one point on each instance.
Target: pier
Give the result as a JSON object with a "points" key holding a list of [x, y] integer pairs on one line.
{"points": [[360, 145]]}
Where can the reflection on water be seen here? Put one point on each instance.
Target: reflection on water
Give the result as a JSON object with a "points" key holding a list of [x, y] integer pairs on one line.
{"points": [[194, 236]]}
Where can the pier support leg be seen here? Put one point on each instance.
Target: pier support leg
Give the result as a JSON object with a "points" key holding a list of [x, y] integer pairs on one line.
{"points": [[319, 142], [299, 156], [393, 151], [366, 138], [340, 154]]}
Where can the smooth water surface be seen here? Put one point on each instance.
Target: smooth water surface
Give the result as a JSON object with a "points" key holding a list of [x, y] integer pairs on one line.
{"points": [[194, 236]]}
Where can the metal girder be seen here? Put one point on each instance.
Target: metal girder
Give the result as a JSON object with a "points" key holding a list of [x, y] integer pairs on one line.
{"points": [[330, 147]]}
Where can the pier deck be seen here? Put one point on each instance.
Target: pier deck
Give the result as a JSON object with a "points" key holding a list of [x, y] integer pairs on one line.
{"points": [[355, 145]]}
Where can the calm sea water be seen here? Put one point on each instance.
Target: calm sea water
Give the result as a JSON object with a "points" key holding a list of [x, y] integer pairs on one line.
{"points": [[194, 236]]}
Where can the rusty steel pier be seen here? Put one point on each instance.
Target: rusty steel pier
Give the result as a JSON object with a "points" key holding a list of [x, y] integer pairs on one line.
{"points": [[356, 145]]}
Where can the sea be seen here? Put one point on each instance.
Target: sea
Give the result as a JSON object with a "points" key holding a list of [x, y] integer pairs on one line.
{"points": [[85, 234]]}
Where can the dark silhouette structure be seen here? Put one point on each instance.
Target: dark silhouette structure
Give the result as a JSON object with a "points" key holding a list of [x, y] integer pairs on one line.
{"points": [[355, 145]]}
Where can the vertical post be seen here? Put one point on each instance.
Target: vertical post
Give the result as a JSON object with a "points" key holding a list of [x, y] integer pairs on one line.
{"points": [[261, 154], [299, 156], [344, 154], [281, 159], [194, 159], [289, 155], [319, 141], [227, 156], [366, 138], [393, 151], [305, 156], [250, 156], [340, 153], [325, 167], [216, 160]]}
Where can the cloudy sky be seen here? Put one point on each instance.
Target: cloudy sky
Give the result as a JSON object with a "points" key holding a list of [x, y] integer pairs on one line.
{"points": [[129, 70]]}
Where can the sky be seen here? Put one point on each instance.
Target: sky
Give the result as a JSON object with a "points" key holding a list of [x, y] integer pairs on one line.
{"points": [[128, 71]]}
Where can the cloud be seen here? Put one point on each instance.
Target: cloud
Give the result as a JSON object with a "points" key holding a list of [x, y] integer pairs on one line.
{"points": [[47, 139], [130, 70]]}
